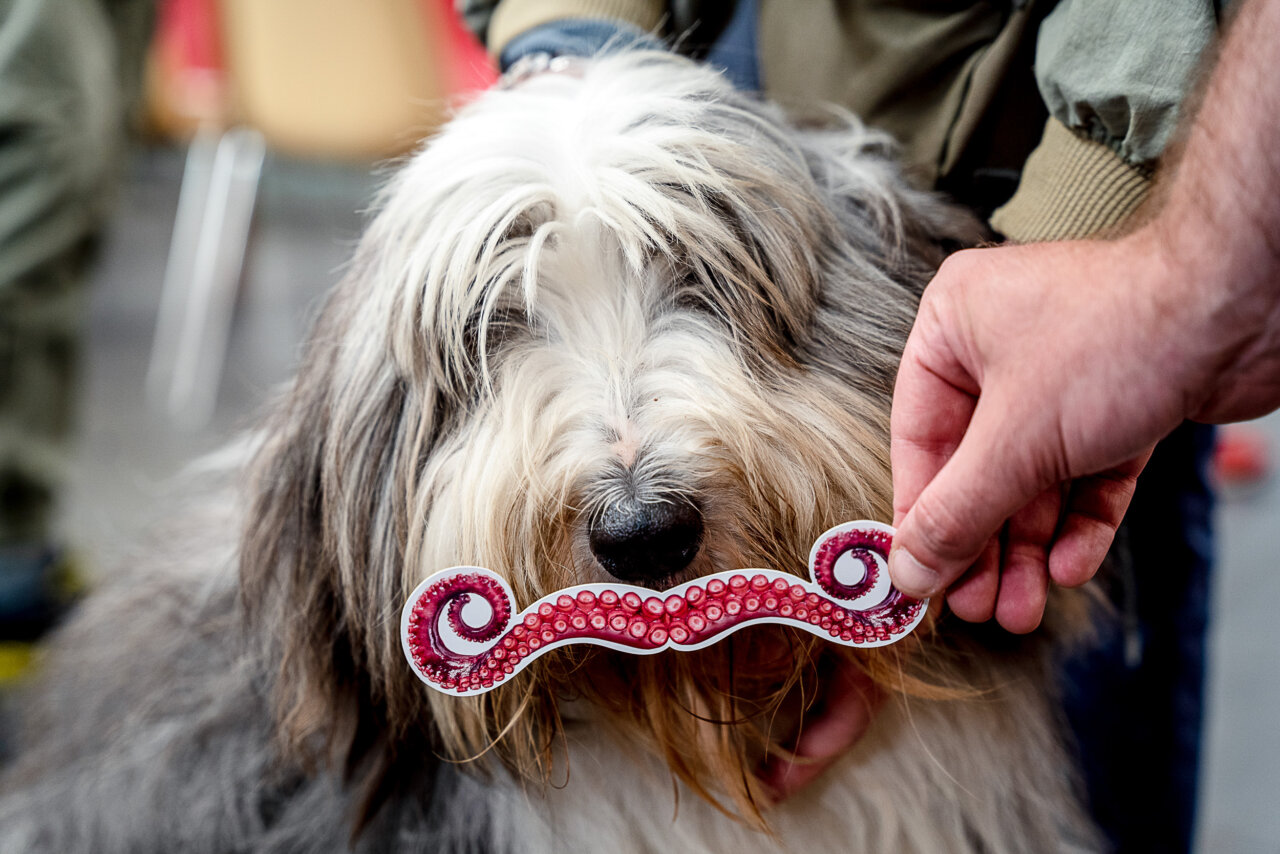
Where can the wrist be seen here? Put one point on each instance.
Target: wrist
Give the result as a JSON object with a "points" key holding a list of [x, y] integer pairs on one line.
{"points": [[1175, 309], [1217, 313]]}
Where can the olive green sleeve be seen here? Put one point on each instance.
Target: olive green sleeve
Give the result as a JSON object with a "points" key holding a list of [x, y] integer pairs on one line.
{"points": [[1114, 77]]}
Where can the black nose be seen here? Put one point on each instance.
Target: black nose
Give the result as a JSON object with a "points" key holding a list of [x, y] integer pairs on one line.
{"points": [[639, 541]]}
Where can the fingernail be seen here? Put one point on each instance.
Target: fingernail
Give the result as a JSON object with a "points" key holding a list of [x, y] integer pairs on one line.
{"points": [[911, 576]]}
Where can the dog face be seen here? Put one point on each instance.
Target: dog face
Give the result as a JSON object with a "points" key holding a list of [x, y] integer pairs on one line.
{"points": [[617, 323]]}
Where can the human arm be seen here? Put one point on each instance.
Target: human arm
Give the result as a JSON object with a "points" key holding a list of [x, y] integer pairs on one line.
{"points": [[1037, 378]]}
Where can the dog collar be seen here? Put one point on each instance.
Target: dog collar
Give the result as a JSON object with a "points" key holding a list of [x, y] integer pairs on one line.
{"points": [[461, 638]]}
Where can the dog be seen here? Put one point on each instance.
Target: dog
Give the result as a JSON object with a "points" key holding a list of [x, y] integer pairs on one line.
{"points": [[614, 298]]}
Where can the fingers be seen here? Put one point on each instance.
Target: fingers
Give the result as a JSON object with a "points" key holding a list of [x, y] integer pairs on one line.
{"points": [[1024, 574], [1010, 581], [973, 597], [933, 404], [983, 424], [933, 401], [1095, 508], [950, 522]]}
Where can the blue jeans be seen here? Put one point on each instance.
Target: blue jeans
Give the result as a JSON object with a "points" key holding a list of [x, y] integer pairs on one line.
{"points": [[1134, 703]]}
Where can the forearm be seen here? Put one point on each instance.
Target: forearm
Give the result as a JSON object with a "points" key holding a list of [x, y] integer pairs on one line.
{"points": [[1219, 222], [1223, 198]]}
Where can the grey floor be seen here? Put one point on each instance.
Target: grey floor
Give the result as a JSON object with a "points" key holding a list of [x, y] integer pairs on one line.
{"points": [[307, 221]]}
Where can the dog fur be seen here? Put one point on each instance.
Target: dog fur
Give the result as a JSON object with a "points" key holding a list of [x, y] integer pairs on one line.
{"points": [[627, 281]]}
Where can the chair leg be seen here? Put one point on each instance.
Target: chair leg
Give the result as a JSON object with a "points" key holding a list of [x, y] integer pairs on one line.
{"points": [[202, 277], [175, 293]]}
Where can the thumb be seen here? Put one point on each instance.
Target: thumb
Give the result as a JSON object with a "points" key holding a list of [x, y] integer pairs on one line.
{"points": [[975, 492]]}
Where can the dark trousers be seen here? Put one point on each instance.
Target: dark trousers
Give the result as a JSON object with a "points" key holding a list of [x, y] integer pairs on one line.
{"points": [[1135, 702]]}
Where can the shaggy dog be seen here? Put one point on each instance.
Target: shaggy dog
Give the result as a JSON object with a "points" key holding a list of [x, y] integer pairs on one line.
{"points": [[625, 297]]}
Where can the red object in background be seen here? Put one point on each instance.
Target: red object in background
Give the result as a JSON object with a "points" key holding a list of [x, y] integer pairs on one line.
{"points": [[190, 59], [1241, 457], [188, 31], [467, 66], [190, 81]]}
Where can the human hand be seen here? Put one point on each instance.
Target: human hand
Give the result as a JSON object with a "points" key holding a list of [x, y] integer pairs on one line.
{"points": [[1037, 378], [1032, 389]]}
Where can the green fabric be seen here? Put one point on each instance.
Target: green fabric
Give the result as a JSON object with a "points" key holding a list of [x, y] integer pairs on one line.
{"points": [[62, 120], [907, 67], [927, 70], [1117, 72]]}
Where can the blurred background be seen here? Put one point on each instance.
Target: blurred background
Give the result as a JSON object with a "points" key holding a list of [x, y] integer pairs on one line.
{"points": [[260, 134]]}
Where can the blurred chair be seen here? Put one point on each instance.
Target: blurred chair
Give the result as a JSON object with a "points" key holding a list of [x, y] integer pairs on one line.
{"points": [[335, 79]]}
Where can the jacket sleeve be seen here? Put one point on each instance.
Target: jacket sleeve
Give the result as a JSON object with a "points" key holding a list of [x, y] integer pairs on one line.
{"points": [[499, 24], [1114, 77]]}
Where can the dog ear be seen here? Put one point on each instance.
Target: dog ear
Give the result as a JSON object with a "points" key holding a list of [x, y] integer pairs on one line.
{"points": [[322, 554]]}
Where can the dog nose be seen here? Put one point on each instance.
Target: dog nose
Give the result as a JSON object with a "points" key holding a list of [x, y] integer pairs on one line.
{"points": [[639, 541]]}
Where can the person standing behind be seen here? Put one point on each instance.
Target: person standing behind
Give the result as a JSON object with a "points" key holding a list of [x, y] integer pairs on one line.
{"points": [[69, 70], [1048, 117]]}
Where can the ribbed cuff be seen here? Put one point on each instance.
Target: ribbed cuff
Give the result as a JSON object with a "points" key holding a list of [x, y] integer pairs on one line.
{"points": [[1071, 187], [513, 18]]}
